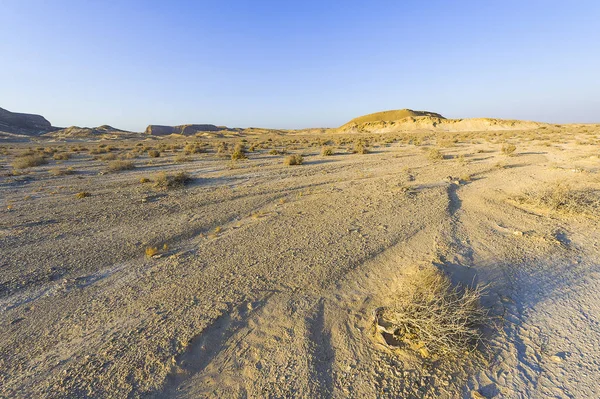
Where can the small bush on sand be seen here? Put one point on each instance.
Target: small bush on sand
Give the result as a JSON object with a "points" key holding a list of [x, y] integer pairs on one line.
{"points": [[435, 155], [144, 180], [83, 194], [360, 147], [151, 251], [295, 159], [181, 159], [61, 171], [273, 152], [239, 152], [63, 156], [193, 149], [327, 151], [29, 161], [154, 153], [508, 149], [560, 197], [115, 166], [177, 180], [432, 316]]}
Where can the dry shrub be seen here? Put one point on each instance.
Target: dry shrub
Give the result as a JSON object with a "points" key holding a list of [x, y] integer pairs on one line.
{"points": [[115, 166], [151, 251], [193, 148], [83, 194], [29, 161], [239, 152], [435, 155], [432, 316], [178, 180], [154, 153], [508, 149], [327, 151], [61, 171], [295, 159], [63, 156], [360, 147], [560, 197], [181, 159]]}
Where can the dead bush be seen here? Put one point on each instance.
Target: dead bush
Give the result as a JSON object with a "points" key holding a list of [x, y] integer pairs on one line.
{"points": [[115, 166], [29, 161], [430, 315], [154, 153], [61, 171], [327, 151], [435, 155], [239, 152], [360, 147], [178, 180], [295, 159], [508, 149], [63, 156], [560, 197]]}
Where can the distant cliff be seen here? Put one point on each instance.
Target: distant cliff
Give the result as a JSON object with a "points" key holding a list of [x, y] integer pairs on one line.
{"points": [[187, 130], [25, 124]]}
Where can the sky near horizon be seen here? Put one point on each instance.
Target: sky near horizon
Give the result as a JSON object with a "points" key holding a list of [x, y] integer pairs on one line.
{"points": [[296, 64]]}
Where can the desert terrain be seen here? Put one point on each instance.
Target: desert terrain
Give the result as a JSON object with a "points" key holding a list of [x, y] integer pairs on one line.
{"points": [[253, 263]]}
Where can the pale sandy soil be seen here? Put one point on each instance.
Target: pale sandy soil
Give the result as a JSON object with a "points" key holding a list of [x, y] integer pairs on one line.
{"points": [[278, 303]]}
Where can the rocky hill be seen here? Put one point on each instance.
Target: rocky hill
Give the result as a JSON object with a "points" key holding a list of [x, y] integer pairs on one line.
{"points": [[409, 120], [23, 124], [186, 130], [103, 131]]}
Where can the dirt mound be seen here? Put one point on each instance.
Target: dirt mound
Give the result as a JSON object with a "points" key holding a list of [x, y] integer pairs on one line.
{"points": [[24, 124], [384, 122], [392, 115]]}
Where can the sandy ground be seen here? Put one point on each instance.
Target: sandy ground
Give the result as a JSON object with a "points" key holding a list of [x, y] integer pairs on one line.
{"points": [[272, 272]]}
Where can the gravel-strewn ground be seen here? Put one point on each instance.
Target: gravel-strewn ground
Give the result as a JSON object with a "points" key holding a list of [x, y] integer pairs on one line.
{"points": [[270, 274]]}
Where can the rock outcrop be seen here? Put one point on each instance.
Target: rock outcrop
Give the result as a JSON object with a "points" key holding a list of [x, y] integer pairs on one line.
{"points": [[187, 130], [24, 124]]}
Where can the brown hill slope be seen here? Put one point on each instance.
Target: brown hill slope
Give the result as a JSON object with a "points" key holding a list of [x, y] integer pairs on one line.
{"points": [[408, 120]]}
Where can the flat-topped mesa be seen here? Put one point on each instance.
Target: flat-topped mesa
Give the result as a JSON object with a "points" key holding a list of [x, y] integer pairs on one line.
{"points": [[187, 130], [26, 124]]}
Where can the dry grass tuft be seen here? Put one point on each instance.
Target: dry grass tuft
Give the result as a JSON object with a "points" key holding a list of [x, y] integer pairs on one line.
{"points": [[360, 147], [560, 197], [178, 180], [83, 194], [508, 149], [435, 155], [63, 156], [115, 166], [154, 153], [151, 251], [181, 159], [61, 171], [295, 159], [29, 161], [327, 151], [239, 152], [432, 316]]}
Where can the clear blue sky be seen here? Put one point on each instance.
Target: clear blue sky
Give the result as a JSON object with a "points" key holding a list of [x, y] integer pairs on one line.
{"points": [[292, 64]]}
